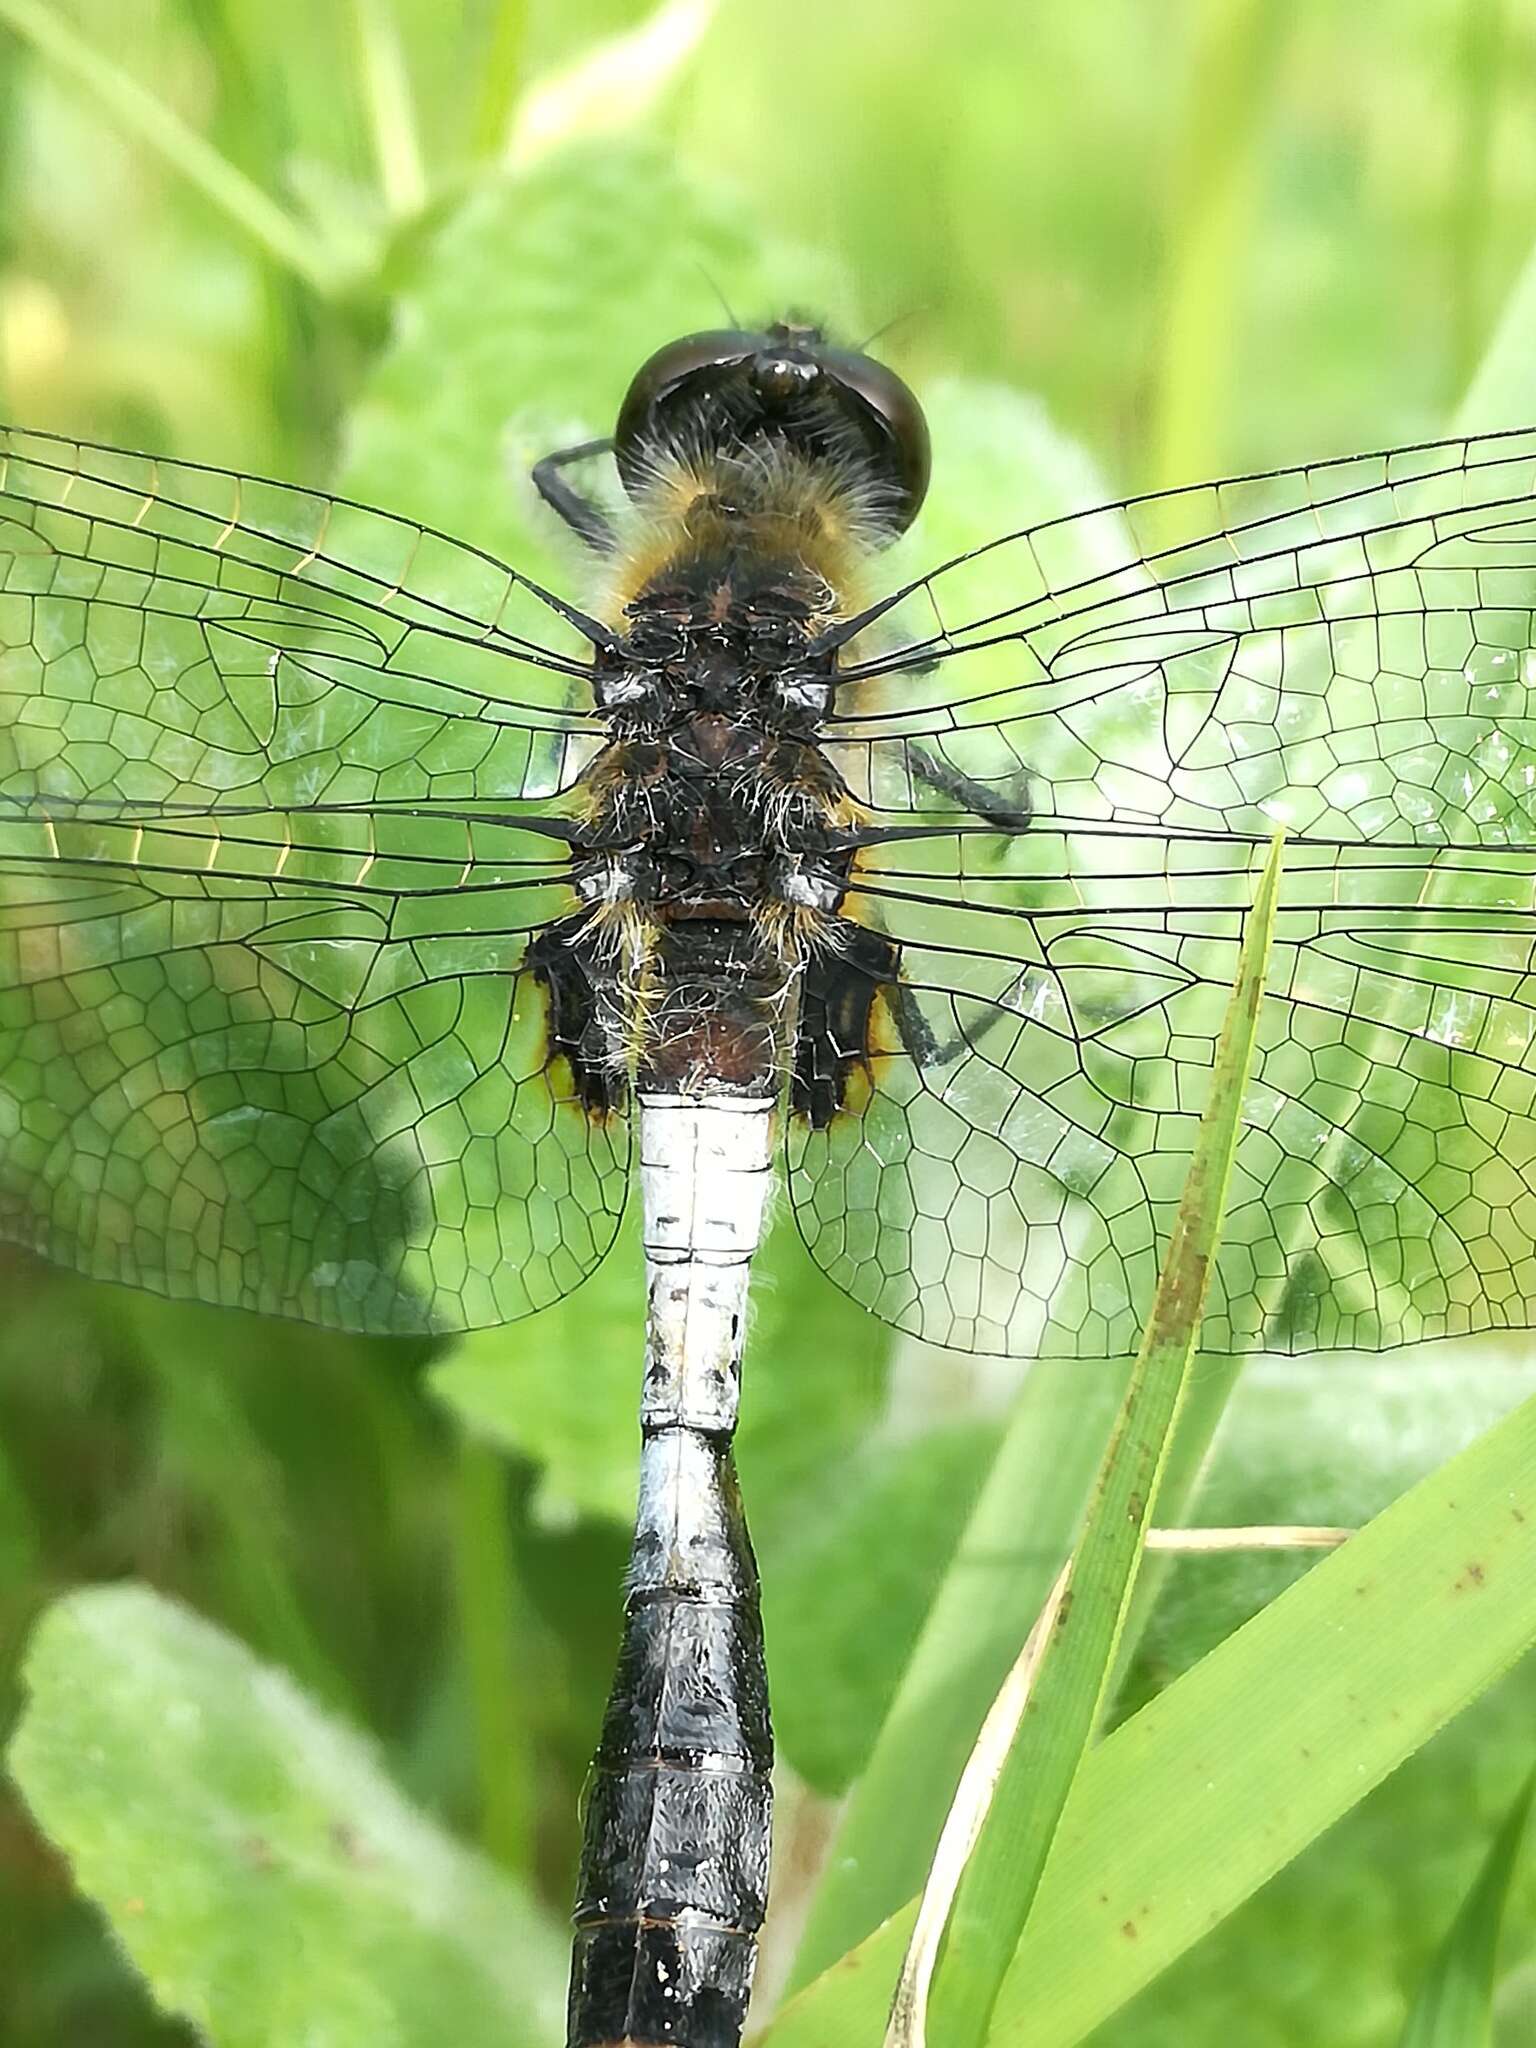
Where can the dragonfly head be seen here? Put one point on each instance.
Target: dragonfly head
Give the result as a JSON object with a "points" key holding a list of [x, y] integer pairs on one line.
{"points": [[733, 392]]}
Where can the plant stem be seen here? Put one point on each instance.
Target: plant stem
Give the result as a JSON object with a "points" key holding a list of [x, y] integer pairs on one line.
{"points": [[391, 112], [500, 78], [491, 1614], [163, 130], [1482, 34]]}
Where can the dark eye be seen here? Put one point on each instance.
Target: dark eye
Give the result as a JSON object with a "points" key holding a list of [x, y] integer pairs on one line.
{"points": [[661, 388], [729, 389], [894, 417]]}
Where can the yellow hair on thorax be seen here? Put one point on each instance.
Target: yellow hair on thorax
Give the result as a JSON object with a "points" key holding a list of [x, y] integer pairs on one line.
{"points": [[771, 503]]}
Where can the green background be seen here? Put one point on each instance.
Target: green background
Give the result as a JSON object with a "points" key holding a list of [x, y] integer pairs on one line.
{"points": [[1118, 245]]}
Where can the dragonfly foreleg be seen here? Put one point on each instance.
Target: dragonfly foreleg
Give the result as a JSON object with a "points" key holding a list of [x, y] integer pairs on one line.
{"points": [[578, 512]]}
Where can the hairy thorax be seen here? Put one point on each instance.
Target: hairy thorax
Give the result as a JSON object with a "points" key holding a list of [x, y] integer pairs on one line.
{"points": [[714, 839]]}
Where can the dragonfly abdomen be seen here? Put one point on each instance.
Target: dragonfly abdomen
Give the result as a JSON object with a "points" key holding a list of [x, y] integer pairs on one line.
{"points": [[674, 1873]]}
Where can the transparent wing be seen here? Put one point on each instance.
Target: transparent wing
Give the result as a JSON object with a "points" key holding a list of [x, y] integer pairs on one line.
{"points": [[1344, 649], [171, 634], [295, 1063], [1034, 1093]]}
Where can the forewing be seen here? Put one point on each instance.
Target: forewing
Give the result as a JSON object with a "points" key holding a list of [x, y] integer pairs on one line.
{"points": [[1014, 1174], [1344, 650], [171, 634], [296, 1064]]}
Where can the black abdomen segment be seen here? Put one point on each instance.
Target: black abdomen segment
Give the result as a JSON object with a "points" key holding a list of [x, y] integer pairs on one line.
{"points": [[674, 1873], [674, 1867]]}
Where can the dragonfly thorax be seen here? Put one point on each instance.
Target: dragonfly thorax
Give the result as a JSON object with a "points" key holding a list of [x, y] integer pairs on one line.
{"points": [[714, 846]]}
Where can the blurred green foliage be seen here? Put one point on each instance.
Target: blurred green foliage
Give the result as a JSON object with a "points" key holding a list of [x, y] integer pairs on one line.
{"points": [[1172, 240]]}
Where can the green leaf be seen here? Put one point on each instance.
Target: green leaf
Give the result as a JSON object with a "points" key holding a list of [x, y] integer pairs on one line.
{"points": [[1454, 2008], [255, 1863], [1187, 1808], [997, 1891], [524, 315]]}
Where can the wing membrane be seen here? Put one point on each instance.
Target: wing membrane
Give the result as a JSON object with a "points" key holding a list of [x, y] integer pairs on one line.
{"points": [[175, 634], [1343, 649], [295, 1065], [1069, 996]]}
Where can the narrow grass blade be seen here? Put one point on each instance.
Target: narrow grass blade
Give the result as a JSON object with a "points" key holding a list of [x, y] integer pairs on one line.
{"points": [[908, 2022], [1233, 68], [501, 75], [1454, 2008], [1187, 1808], [1017, 1539], [999, 1885], [163, 130]]}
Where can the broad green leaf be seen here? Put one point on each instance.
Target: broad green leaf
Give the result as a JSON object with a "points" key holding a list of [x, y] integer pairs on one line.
{"points": [[997, 1891], [1454, 2008], [255, 1863], [1189, 1806], [524, 315]]}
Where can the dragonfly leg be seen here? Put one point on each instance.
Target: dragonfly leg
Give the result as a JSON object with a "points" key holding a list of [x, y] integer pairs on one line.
{"points": [[981, 798], [840, 1007], [579, 513], [839, 1019]]}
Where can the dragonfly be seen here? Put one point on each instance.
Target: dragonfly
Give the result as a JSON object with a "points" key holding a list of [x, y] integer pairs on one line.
{"points": [[371, 917]]}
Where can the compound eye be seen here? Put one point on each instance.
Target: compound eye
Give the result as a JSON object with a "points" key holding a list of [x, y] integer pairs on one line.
{"points": [[661, 386], [899, 420]]}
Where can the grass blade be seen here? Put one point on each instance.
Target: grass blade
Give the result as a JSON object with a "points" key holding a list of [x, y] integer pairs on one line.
{"points": [[998, 1581], [1187, 1808], [998, 1889], [1454, 2008], [501, 76], [978, 1781]]}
